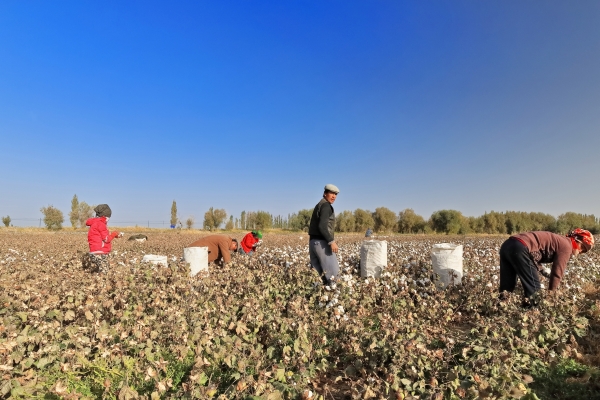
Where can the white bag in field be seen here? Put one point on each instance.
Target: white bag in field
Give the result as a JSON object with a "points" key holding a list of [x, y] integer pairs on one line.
{"points": [[373, 258], [447, 260], [197, 257], [154, 259]]}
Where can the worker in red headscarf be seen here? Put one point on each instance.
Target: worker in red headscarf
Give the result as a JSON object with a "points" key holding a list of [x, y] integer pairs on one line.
{"points": [[522, 256]]}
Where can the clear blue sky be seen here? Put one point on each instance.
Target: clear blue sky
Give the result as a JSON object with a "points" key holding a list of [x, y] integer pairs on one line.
{"points": [[250, 105]]}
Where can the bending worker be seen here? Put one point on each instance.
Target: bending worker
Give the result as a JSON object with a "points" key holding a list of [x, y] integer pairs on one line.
{"points": [[219, 247], [322, 246], [521, 256], [250, 242]]}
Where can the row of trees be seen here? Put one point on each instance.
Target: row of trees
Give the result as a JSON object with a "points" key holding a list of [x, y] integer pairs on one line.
{"points": [[382, 220]]}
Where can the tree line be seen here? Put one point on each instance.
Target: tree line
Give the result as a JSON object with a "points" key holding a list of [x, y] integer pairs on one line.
{"points": [[382, 220]]}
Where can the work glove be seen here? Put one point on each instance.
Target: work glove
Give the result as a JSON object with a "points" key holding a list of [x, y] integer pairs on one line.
{"points": [[546, 272]]}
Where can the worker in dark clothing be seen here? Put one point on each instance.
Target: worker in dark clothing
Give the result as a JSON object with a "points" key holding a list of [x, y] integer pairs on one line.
{"points": [[322, 246], [522, 256]]}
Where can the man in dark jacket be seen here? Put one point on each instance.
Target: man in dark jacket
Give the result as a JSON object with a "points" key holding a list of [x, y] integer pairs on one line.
{"points": [[322, 246]]}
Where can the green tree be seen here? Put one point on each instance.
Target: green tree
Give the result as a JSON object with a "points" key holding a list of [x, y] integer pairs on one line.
{"points": [[74, 214], [410, 222], [448, 222], [542, 222], [243, 220], [344, 222], [363, 219], [189, 223], [385, 219], [300, 221], [570, 220], [229, 224], [213, 218], [53, 217], [493, 222], [262, 220], [84, 212], [6, 221], [174, 213]]}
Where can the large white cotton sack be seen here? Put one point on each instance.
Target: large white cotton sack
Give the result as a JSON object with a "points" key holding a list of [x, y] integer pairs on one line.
{"points": [[447, 260], [197, 257], [373, 258]]}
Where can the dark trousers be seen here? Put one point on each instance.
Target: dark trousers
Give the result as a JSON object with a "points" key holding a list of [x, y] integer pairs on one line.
{"points": [[516, 261]]}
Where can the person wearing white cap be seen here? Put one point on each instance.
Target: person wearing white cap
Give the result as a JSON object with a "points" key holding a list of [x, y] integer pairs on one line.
{"points": [[322, 246]]}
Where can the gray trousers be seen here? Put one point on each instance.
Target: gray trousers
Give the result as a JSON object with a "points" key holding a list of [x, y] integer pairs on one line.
{"points": [[323, 260]]}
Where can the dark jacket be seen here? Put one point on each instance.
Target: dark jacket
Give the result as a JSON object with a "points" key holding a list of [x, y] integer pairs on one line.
{"points": [[322, 222]]}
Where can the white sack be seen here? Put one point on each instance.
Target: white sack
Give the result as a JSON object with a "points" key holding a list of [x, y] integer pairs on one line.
{"points": [[154, 259], [373, 258], [197, 257], [447, 260]]}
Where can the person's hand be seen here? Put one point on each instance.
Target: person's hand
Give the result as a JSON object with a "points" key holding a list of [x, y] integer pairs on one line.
{"points": [[121, 234], [546, 272], [334, 247]]}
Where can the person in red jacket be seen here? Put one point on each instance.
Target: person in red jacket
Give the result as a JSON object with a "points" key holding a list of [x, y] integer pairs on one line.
{"points": [[99, 238], [522, 256], [250, 242]]}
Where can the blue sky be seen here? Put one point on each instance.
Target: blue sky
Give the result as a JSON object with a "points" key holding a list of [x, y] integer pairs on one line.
{"points": [[466, 105]]}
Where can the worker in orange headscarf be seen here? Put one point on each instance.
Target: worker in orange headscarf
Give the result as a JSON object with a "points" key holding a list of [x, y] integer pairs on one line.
{"points": [[522, 256]]}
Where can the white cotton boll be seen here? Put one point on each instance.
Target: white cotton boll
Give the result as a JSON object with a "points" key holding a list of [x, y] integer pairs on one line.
{"points": [[321, 304], [489, 284]]}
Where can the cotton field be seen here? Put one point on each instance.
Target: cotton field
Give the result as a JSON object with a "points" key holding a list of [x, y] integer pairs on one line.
{"points": [[263, 327]]}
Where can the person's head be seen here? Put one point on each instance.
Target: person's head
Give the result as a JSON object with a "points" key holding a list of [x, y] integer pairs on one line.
{"points": [[234, 245], [103, 210], [257, 234], [331, 192], [582, 240]]}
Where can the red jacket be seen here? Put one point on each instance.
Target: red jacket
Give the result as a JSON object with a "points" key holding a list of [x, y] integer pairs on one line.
{"points": [[248, 241], [98, 236]]}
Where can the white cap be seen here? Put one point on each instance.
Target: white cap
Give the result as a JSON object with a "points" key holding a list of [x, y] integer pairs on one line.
{"points": [[332, 188]]}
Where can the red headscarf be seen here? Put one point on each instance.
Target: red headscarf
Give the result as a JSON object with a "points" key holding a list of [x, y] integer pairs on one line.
{"points": [[581, 239]]}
